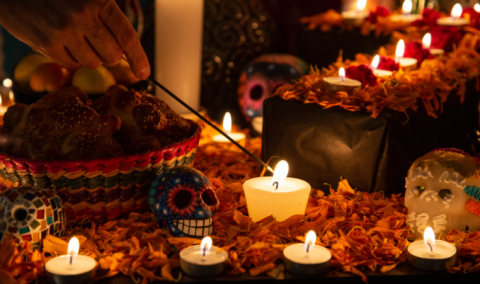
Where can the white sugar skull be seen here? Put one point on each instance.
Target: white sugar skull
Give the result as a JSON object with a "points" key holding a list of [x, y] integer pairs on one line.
{"points": [[436, 192]]}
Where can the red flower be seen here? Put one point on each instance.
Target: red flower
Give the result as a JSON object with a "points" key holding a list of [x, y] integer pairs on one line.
{"points": [[387, 63], [381, 11], [415, 50], [474, 16], [444, 37], [361, 73], [429, 18]]}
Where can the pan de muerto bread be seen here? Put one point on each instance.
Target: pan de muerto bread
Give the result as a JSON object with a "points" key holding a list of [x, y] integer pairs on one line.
{"points": [[61, 126], [147, 122]]}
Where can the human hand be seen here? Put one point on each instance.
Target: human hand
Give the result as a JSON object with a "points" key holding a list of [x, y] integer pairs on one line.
{"points": [[74, 32]]}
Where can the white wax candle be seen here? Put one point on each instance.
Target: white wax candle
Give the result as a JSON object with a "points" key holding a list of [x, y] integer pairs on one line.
{"points": [[407, 62], [235, 136], [405, 18], [448, 21], [296, 253], [264, 200], [442, 250], [193, 256], [347, 82], [382, 73], [61, 266], [354, 17], [178, 51], [436, 51]]}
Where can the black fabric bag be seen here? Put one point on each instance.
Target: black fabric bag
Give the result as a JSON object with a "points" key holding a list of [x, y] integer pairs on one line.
{"points": [[374, 154]]}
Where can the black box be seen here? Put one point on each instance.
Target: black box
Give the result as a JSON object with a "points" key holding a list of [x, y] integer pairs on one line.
{"points": [[374, 154]]}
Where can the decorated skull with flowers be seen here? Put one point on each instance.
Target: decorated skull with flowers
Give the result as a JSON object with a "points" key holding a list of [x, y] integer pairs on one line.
{"points": [[183, 200]]}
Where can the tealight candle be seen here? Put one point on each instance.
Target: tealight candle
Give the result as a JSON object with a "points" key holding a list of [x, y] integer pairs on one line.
{"points": [[426, 41], [227, 128], [378, 72], [406, 63], [407, 15], [280, 196], [455, 18], [431, 254], [71, 268], [307, 259], [203, 260], [341, 83], [357, 16]]}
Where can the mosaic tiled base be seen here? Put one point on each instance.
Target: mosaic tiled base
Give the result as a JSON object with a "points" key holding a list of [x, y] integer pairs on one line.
{"points": [[29, 213]]}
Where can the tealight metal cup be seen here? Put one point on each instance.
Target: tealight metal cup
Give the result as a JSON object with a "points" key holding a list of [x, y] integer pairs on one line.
{"points": [[69, 279], [429, 264], [306, 269], [202, 271]]}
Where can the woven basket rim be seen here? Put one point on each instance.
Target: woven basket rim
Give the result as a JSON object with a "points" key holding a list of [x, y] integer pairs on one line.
{"points": [[166, 147]]}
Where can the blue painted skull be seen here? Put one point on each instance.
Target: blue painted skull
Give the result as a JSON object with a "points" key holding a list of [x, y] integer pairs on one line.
{"points": [[182, 199]]}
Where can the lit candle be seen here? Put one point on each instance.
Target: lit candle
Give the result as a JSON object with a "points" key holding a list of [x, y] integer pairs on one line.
{"points": [[3, 109], [405, 62], [280, 196], [7, 84], [455, 18], [307, 259], [357, 16], [431, 254], [378, 72], [341, 83], [406, 15], [71, 268], [426, 42], [476, 7], [227, 128], [203, 260]]}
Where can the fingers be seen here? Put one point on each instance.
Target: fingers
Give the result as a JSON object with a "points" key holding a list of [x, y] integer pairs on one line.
{"points": [[103, 42], [85, 54], [61, 55], [127, 38]]}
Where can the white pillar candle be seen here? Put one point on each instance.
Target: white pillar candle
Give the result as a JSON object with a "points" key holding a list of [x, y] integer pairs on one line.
{"points": [[178, 50], [203, 260], [455, 18], [70, 268], [227, 128], [379, 72], [264, 199]]}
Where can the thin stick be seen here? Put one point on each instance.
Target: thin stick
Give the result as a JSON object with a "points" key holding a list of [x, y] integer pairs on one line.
{"points": [[211, 124]]}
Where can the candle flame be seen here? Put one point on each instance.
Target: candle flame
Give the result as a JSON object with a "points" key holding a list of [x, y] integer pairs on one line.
{"points": [[375, 62], [361, 4], [429, 239], [280, 173], [72, 251], [10, 96], [456, 11], [341, 74], [206, 245], [227, 122], [400, 50], [407, 7], [477, 8], [310, 241], [7, 83], [1, 101], [427, 40]]}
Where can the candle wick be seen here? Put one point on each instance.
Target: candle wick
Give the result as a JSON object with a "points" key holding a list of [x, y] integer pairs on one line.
{"points": [[431, 248], [204, 251], [71, 259], [308, 246], [275, 184]]}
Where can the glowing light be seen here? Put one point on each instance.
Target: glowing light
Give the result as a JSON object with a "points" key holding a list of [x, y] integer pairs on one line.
{"points": [[11, 97], [280, 173], [7, 83], [310, 241], [375, 62], [361, 4], [400, 50], [429, 239], [205, 246], [227, 123], [407, 7], [477, 8], [427, 40], [341, 74], [456, 11], [72, 251]]}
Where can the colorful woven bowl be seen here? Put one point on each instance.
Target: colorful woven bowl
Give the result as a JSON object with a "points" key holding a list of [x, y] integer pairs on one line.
{"points": [[100, 189]]}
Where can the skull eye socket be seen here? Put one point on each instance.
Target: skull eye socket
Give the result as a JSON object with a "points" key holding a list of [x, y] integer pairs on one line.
{"points": [[183, 198], [208, 196], [444, 193], [419, 190], [256, 93]]}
